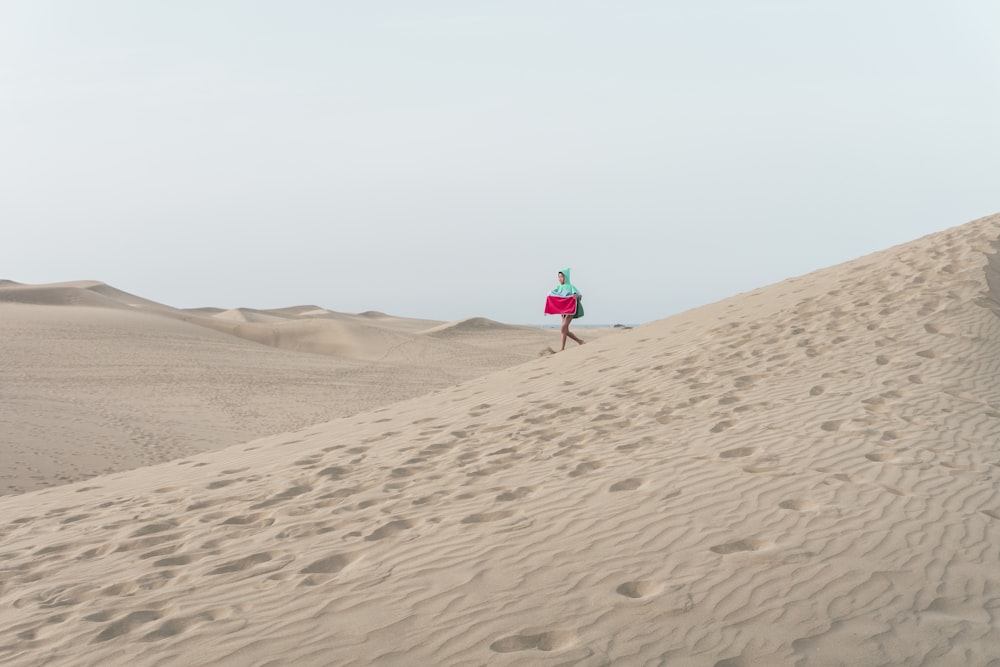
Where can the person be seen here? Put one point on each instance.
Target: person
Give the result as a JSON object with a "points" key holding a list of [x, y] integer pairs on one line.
{"points": [[565, 300]]}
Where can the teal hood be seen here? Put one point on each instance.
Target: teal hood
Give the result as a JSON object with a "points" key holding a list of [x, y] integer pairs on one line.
{"points": [[567, 288]]}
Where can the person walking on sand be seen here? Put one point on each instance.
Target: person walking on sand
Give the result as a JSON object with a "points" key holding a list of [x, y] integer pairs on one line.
{"points": [[566, 301]]}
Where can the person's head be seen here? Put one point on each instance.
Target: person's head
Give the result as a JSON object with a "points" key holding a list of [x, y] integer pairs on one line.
{"points": [[562, 278]]}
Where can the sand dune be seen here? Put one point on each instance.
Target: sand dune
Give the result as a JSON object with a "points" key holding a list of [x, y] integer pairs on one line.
{"points": [[76, 293], [469, 325], [96, 380], [248, 315], [56, 295], [806, 474], [204, 311]]}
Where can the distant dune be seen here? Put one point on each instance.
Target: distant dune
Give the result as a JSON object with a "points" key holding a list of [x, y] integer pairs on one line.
{"points": [[57, 294], [248, 315], [803, 474], [475, 325]]}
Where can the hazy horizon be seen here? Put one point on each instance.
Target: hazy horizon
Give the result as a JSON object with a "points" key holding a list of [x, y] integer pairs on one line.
{"points": [[444, 160]]}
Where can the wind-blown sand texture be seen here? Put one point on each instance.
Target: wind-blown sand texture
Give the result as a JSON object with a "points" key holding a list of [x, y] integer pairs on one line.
{"points": [[801, 475], [94, 380]]}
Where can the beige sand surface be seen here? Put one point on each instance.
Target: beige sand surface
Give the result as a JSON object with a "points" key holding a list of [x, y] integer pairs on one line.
{"points": [[94, 380], [806, 474]]}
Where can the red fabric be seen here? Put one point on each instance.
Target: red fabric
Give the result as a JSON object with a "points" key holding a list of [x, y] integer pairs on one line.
{"points": [[560, 305]]}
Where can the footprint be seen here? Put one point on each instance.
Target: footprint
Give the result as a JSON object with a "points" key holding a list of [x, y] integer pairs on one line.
{"points": [[758, 469], [879, 457], [721, 426], [125, 625], [797, 504], [424, 420], [174, 561], [120, 589], [151, 528], [170, 628], [874, 404], [504, 450], [553, 640], [329, 565], [390, 528], [630, 484], [832, 425], [96, 552], [585, 467], [747, 544], [293, 491], [242, 564], [288, 493], [515, 494], [61, 596], [333, 473], [637, 589], [738, 452]]}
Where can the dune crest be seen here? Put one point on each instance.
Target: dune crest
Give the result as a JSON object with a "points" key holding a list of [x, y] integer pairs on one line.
{"points": [[470, 325], [803, 474]]}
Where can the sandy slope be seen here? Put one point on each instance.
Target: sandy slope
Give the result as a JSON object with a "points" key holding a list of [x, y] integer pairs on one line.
{"points": [[802, 475], [95, 380]]}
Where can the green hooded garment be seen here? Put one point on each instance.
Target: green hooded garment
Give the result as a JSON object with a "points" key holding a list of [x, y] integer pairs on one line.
{"points": [[568, 289]]}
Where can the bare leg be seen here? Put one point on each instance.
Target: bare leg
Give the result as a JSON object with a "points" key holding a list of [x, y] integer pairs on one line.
{"points": [[566, 319]]}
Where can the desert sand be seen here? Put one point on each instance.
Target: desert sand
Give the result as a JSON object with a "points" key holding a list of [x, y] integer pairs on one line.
{"points": [[94, 380], [805, 474]]}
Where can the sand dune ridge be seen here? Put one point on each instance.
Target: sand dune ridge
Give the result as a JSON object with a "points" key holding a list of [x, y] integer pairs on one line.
{"points": [[806, 474]]}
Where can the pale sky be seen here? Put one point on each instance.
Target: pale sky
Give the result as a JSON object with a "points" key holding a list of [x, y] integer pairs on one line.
{"points": [[445, 159]]}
